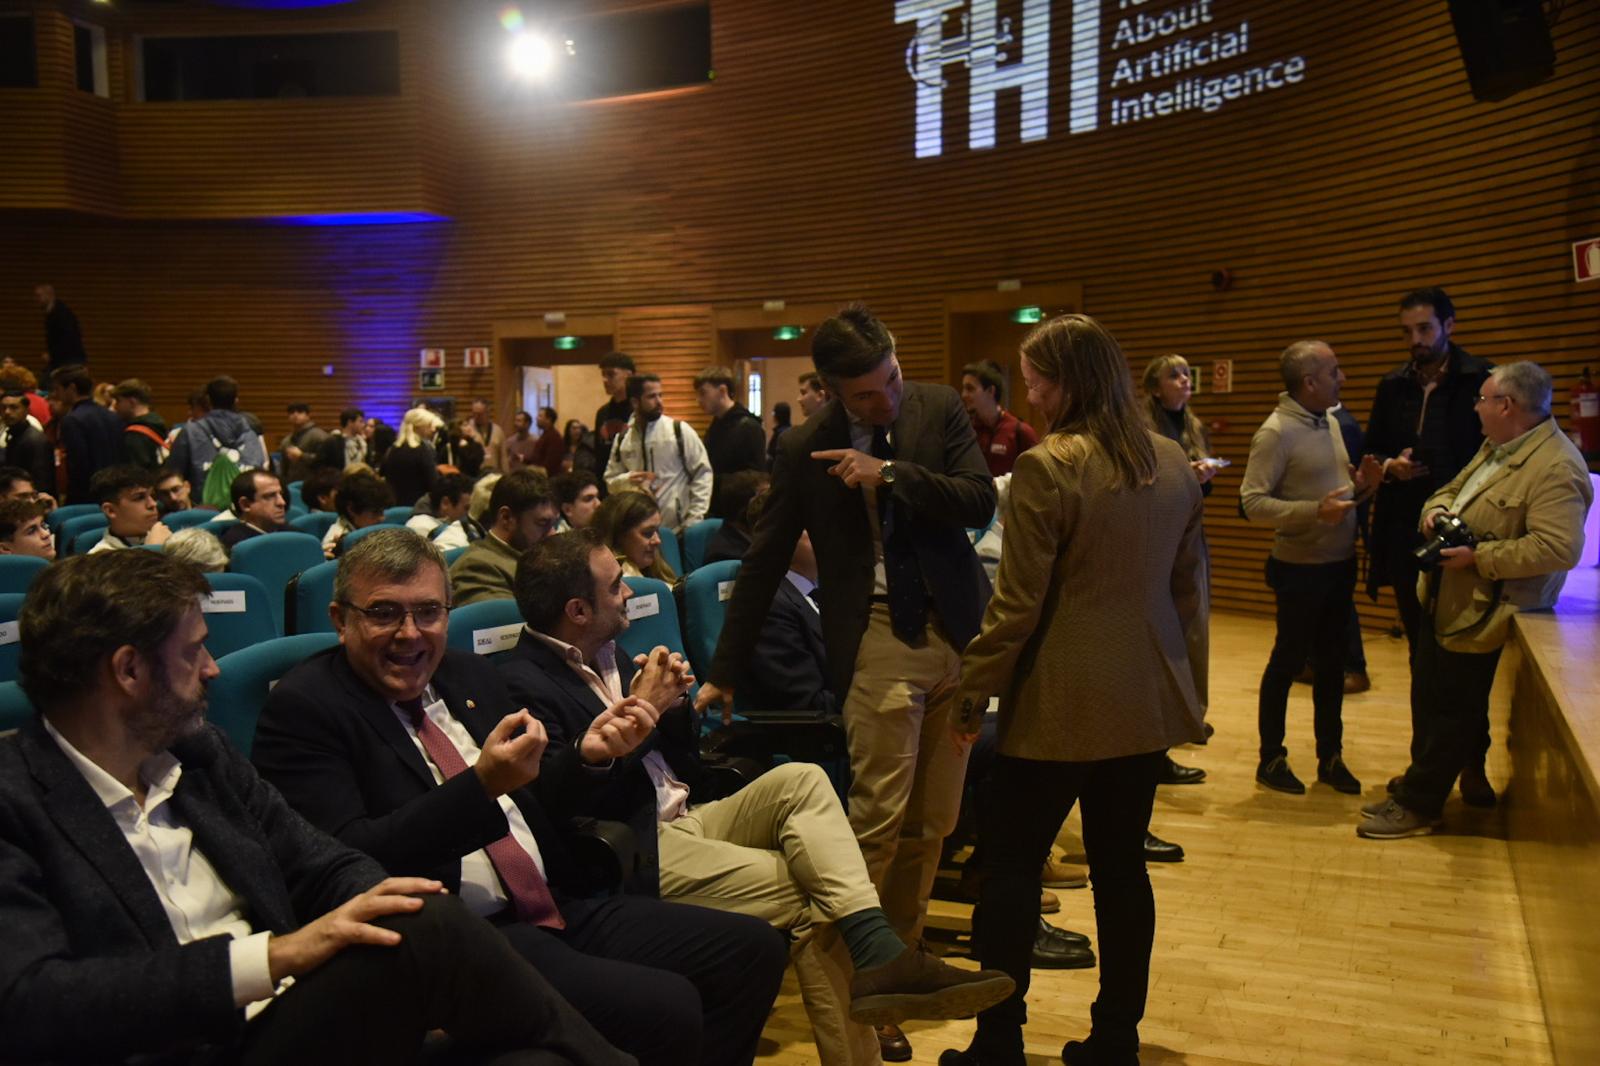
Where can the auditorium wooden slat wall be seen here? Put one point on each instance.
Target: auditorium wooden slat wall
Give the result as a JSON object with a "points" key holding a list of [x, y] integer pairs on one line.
{"points": [[792, 176]]}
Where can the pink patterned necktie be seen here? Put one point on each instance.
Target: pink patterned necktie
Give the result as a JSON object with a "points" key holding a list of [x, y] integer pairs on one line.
{"points": [[529, 893]]}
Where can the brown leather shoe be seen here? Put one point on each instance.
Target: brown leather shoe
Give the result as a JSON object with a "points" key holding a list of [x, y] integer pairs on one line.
{"points": [[1475, 788], [919, 985], [1356, 681], [892, 1044], [1049, 902], [1063, 875], [967, 888]]}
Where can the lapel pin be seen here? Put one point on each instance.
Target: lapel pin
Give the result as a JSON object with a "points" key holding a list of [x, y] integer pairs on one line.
{"points": [[470, 705]]}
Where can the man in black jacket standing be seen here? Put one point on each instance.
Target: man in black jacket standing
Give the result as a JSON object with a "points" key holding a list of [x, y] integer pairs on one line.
{"points": [[735, 440], [26, 447], [156, 897], [90, 435], [1424, 429], [63, 338]]}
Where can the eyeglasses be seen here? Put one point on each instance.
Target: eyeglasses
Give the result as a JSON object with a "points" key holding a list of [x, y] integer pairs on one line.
{"points": [[1481, 397], [385, 615]]}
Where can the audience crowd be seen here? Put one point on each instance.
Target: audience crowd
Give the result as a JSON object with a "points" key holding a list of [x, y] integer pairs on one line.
{"points": [[562, 851]]}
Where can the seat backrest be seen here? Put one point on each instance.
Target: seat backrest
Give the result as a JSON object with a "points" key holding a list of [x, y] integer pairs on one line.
{"points": [[293, 511], [15, 706], [696, 539], [452, 554], [652, 618], [238, 614], [670, 551], [311, 591], [398, 515], [82, 542], [355, 536], [10, 635], [317, 523], [194, 516], [236, 696], [272, 559], [73, 527], [292, 494], [18, 571], [489, 627], [705, 601], [70, 510]]}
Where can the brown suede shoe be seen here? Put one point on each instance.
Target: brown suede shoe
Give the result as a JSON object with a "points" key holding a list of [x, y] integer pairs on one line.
{"points": [[1049, 903], [1063, 875], [918, 985]]}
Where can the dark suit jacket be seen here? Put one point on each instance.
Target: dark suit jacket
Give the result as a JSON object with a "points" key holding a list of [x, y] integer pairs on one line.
{"points": [[790, 672], [540, 681], [89, 964], [31, 450], [336, 751], [63, 338], [939, 475], [91, 436]]}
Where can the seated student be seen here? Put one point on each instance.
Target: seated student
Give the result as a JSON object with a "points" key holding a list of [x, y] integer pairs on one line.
{"points": [[738, 491], [17, 484], [791, 665], [630, 525], [319, 488], [171, 492], [520, 514], [199, 547], [155, 896], [417, 756], [24, 531], [361, 499], [781, 848], [126, 497], [577, 497], [448, 524], [258, 504]]}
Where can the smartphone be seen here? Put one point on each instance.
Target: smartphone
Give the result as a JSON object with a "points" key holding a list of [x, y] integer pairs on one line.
{"points": [[1216, 463]]}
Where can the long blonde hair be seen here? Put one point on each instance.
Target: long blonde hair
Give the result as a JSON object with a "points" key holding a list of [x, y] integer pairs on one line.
{"points": [[1195, 441], [1098, 406], [412, 425]]}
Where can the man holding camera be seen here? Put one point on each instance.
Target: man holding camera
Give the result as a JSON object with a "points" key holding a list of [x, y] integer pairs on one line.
{"points": [[1521, 504]]}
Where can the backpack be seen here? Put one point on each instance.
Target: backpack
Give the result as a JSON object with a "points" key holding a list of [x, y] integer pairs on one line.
{"points": [[219, 477], [162, 450]]}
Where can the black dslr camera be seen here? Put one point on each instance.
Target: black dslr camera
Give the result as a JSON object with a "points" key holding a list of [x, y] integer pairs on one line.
{"points": [[1448, 532]]}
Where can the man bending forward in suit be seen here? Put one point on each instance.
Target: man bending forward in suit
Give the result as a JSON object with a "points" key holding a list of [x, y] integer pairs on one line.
{"points": [[415, 755], [780, 848], [157, 899]]}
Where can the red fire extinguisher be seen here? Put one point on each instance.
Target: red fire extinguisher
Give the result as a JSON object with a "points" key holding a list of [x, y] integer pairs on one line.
{"points": [[1586, 413]]}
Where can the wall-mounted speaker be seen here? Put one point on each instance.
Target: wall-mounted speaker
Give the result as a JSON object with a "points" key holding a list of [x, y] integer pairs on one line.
{"points": [[1505, 45]]}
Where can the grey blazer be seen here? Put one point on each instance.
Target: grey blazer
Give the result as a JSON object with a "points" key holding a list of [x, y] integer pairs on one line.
{"points": [[1096, 603]]}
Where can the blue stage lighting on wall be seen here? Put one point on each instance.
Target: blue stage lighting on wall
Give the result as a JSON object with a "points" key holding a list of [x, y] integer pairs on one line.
{"points": [[359, 218]]}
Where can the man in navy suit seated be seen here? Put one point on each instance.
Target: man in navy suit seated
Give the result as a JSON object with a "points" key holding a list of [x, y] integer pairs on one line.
{"points": [[159, 902], [418, 756], [780, 848], [790, 668]]}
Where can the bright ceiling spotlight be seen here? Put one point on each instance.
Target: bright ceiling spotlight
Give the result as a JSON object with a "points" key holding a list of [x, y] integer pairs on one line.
{"points": [[531, 56]]}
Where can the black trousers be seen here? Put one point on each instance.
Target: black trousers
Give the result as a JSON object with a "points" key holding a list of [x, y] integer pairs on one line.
{"points": [[1026, 801], [451, 971], [671, 983], [1313, 611], [1404, 570], [1450, 716]]}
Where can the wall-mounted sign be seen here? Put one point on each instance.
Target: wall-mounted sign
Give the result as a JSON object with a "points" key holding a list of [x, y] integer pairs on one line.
{"points": [[431, 359], [1127, 61], [1222, 376], [475, 358], [1586, 260], [431, 380]]}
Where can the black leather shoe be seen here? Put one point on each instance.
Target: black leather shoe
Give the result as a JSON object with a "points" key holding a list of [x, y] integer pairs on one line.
{"points": [[1210, 731], [1084, 1053], [1334, 772], [1475, 788], [1051, 952], [1158, 850], [1173, 773], [971, 1057], [1065, 936], [1275, 774], [1394, 783], [893, 1045]]}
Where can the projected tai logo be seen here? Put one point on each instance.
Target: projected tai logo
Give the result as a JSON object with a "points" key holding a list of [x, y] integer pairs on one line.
{"points": [[1154, 65]]}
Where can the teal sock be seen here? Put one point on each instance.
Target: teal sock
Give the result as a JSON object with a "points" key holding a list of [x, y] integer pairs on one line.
{"points": [[870, 938]]}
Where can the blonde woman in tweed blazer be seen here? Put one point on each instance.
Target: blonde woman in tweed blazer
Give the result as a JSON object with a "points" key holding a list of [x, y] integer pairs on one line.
{"points": [[1096, 601]]}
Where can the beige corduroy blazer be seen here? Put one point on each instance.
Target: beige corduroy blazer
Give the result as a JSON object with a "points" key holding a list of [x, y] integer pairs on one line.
{"points": [[1097, 599]]}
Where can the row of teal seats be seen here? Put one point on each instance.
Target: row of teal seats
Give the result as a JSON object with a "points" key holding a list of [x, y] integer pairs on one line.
{"points": [[689, 554]]}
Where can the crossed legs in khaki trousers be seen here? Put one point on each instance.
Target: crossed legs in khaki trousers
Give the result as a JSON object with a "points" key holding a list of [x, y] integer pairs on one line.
{"points": [[906, 770], [781, 849]]}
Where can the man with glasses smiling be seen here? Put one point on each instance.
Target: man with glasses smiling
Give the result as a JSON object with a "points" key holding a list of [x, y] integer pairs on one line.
{"points": [[417, 756], [1525, 496]]}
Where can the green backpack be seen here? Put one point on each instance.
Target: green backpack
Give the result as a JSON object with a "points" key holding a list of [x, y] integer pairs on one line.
{"points": [[219, 477]]}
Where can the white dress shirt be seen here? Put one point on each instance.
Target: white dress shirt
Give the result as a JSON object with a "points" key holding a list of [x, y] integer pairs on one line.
{"points": [[805, 586], [197, 901], [481, 889], [672, 795]]}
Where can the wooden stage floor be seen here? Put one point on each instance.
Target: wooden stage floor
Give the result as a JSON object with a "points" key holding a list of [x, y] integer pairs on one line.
{"points": [[1284, 939]]}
